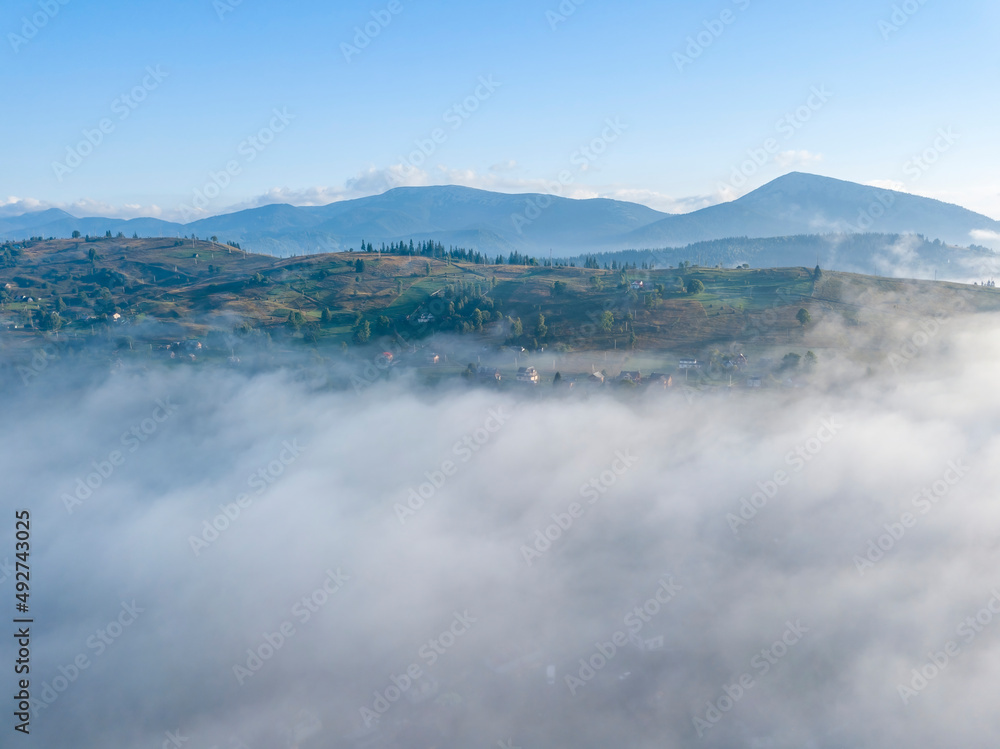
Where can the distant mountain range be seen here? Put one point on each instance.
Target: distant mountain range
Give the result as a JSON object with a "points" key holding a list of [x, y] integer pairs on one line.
{"points": [[494, 223], [892, 255]]}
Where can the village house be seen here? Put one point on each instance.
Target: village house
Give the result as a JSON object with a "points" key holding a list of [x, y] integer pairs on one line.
{"points": [[527, 374], [659, 379], [734, 362], [634, 377], [488, 374]]}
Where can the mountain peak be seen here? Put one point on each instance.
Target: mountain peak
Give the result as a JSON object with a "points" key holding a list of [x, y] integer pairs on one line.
{"points": [[795, 181], [45, 214]]}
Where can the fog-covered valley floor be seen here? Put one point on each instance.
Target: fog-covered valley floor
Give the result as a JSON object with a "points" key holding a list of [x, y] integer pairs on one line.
{"points": [[227, 559]]}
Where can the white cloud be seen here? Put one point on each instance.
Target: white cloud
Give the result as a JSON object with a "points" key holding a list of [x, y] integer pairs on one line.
{"points": [[504, 166], [748, 551], [89, 207], [667, 203], [82, 208], [14, 206], [981, 235], [372, 181], [317, 195], [797, 158], [510, 184]]}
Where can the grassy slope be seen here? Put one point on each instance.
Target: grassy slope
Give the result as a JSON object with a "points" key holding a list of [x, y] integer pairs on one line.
{"points": [[167, 284]]}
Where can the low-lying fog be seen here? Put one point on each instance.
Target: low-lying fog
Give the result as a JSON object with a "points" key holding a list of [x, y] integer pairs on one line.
{"points": [[225, 559]]}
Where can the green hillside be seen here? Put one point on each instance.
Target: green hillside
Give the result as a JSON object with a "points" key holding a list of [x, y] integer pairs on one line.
{"points": [[154, 294]]}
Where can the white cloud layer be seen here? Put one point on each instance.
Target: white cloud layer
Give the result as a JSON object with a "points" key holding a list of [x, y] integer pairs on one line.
{"points": [[989, 238], [825, 547], [84, 207]]}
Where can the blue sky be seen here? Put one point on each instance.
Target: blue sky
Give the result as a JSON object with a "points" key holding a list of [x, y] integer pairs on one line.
{"points": [[352, 117]]}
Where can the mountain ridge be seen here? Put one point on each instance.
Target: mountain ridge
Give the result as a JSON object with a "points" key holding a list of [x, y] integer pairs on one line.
{"points": [[796, 203]]}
